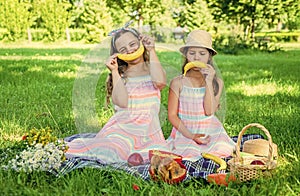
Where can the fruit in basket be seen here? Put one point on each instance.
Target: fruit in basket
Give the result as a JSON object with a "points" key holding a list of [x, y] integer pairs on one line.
{"points": [[163, 154], [132, 56], [192, 64], [257, 162], [166, 166], [135, 159], [218, 160], [171, 171], [154, 164]]}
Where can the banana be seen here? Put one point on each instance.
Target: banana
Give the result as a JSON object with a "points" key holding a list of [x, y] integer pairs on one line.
{"points": [[192, 64], [129, 57], [218, 160]]}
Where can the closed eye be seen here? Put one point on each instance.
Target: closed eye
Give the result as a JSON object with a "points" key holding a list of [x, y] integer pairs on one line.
{"points": [[122, 50], [133, 44]]}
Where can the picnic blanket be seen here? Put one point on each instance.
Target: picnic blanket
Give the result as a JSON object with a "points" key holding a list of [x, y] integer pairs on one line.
{"points": [[195, 169]]}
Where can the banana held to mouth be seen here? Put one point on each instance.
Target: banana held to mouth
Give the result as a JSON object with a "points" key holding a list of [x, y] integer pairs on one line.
{"points": [[192, 64], [132, 56]]}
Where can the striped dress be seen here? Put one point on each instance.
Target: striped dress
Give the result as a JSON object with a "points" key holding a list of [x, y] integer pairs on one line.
{"points": [[191, 113], [132, 129]]}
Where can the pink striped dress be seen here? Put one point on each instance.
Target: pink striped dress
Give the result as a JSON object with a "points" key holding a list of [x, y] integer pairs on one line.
{"points": [[191, 113], [132, 129]]}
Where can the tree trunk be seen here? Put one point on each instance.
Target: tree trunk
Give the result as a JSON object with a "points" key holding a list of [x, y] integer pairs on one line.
{"points": [[68, 35], [246, 32], [140, 24], [279, 26], [253, 29], [29, 35]]}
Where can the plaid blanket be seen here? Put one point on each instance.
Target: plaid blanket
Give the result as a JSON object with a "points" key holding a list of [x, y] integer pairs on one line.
{"points": [[197, 169]]}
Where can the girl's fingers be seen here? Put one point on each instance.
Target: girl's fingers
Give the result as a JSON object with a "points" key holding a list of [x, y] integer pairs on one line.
{"points": [[147, 40], [112, 60]]}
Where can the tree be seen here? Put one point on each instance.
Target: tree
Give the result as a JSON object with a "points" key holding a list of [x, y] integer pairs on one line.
{"points": [[54, 15], [250, 12], [97, 20], [16, 18], [142, 11], [291, 14], [195, 15]]}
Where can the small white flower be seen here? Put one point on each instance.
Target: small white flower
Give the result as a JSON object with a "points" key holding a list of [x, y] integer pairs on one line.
{"points": [[39, 157]]}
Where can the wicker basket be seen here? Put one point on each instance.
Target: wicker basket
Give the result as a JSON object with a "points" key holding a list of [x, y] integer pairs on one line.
{"points": [[242, 167]]}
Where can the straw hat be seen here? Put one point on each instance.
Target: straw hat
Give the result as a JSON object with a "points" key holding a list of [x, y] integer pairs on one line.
{"points": [[198, 38]]}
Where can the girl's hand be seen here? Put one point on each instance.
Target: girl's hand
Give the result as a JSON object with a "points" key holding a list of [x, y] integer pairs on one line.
{"points": [[148, 42], [208, 72], [201, 139], [112, 63]]}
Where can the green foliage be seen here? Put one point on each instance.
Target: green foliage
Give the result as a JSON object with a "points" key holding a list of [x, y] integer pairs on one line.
{"points": [[143, 12], [3, 33], [97, 20], [251, 13], [55, 17], [291, 14], [196, 16], [38, 34], [23, 19], [76, 12], [279, 36], [15, 18], [236, 45], [77, 34]]}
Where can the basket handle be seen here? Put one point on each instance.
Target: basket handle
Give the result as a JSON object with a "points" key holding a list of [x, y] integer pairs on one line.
{"points": [[238, 143]]}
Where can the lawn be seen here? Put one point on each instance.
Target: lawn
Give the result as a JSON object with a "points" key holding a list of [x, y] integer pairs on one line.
{"points": [[39, 86]]}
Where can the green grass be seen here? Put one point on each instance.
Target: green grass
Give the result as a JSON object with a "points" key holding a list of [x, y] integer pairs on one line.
{"points": [[37, 89]]}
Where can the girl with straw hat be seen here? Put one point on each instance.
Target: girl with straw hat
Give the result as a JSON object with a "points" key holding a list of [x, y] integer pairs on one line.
{"points": [[194, 97]]}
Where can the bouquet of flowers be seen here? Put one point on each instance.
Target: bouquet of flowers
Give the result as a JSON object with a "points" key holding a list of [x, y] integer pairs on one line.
{"points": [[42, 152]]}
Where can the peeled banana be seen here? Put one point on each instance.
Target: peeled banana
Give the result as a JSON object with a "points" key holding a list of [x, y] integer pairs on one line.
{"points": [[218, 160], [192, 64], [132, 56]]}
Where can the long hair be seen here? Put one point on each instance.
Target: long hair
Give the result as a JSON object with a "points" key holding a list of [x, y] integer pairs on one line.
{"points": [[211, 62], [122, 65]]}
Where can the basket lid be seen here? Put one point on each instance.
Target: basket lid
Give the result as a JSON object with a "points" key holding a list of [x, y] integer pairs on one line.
{"points": [[259, 147]]}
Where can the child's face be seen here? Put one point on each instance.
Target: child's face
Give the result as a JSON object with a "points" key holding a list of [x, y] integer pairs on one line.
{"points": [[127, 43], [197, 54]]}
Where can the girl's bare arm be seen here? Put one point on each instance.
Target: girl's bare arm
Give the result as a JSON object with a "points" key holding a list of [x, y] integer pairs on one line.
{"points": [[173, 104], [119, 92], [157, 73]]}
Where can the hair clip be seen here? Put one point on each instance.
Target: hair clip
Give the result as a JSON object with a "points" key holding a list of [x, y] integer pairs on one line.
{"points": [[127, 24]]}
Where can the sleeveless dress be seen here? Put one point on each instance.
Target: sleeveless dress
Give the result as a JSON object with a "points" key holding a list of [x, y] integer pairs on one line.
{"points": [[132, 129], [191, 113]]}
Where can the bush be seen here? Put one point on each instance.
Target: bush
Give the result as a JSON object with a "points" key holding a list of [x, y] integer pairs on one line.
{"points": [[38, 34], [236, 45], [77, 34], [3, 34], [279, 36], [230, 44]]}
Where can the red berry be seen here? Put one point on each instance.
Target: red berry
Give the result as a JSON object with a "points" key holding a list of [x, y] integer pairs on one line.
{"points": [[135, 187]]}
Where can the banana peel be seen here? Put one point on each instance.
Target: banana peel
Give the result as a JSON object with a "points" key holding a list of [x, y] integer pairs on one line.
{"points": [[132, 56], [218, 160], [192, 64]]}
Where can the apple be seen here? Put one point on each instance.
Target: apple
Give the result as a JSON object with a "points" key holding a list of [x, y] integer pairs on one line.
{"points": [[135, 159]]}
